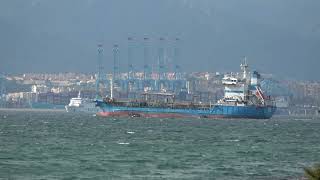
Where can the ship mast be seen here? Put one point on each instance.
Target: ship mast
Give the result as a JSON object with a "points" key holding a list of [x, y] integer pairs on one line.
{"points": [[246, 78], [244, 67], [111, 88]]}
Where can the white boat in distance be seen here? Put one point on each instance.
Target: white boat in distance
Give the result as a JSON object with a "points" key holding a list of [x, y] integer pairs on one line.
{"points": [[84, 105]]}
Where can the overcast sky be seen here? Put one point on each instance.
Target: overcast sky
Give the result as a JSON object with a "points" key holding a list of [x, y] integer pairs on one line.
{"points": [[278, 36]]}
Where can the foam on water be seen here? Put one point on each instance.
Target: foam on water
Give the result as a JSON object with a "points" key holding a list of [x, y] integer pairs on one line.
{"points": [[57, 145], [233, 140], [123, 143]]}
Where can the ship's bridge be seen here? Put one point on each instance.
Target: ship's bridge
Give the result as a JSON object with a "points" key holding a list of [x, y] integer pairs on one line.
{"points": [[75, 102], [234, 87], [228, 80]]}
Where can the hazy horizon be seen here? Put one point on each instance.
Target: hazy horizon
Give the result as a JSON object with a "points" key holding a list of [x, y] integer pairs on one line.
{"points": [[278, 37]]}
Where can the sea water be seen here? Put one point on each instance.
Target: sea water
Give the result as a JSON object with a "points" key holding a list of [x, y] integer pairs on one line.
{"points": [[57, 145]]}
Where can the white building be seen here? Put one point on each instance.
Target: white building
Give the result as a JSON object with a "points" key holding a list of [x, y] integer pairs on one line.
{"points": [[39, 89]]}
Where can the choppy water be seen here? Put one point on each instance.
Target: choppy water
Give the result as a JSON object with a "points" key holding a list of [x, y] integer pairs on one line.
{"points": [[56, 145]]}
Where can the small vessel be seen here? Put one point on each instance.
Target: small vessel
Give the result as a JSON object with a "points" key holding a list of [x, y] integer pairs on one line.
{"points": [[243, 98], [84, 105]]}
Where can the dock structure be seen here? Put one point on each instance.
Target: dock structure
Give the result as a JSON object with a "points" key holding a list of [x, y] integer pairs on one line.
{"points": [[116, 63], [2, 91], [176, 60], [146, 60], [129, 82], [131, 47], [101, 76]]}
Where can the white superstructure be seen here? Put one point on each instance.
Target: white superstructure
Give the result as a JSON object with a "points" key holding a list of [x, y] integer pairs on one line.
{"points": [[243, 88], [79, 104]]}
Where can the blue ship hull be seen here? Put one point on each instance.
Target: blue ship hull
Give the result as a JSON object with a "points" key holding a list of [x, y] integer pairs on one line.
{"points": [[216, 111]]}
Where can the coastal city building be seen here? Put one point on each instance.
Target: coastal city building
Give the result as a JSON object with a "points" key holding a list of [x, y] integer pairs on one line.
{"points": [[38, 90]]}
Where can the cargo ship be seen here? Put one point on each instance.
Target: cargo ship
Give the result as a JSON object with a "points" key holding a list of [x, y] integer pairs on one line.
{"points": [[243, 98]]}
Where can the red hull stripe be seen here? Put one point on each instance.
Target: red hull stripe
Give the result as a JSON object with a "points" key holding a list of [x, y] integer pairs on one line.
{"points": [[135, 114], [152, 115]]}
